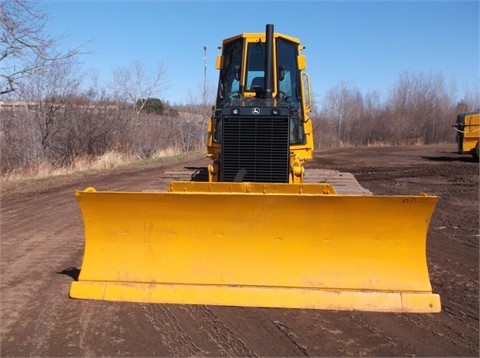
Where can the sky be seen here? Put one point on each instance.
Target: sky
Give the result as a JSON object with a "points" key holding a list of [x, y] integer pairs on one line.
{"points": [[367, 44]]}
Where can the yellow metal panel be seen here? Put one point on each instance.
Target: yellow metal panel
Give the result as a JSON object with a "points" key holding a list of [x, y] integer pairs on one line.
{"points": [[245, 187], [471, 132], [273, 249]]}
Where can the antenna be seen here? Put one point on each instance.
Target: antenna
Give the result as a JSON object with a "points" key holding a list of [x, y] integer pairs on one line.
{"points": [[204, 75]]}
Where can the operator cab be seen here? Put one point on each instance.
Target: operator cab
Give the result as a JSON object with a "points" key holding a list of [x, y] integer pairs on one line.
{"points": [[234, 83], [250, 85], [260, 125]]}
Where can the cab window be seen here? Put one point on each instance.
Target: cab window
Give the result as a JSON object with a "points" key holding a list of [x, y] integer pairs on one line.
{"points": [[255, 67], [287, 72], [229, 83]]}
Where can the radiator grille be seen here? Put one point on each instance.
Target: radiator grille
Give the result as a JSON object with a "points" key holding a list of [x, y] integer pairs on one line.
{"points": [[257, 145]]}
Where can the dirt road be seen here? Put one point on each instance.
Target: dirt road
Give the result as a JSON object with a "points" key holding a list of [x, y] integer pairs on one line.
{"points": [[42, 248]]}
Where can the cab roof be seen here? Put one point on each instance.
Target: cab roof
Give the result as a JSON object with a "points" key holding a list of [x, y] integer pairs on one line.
{"points": [[252, 36]]}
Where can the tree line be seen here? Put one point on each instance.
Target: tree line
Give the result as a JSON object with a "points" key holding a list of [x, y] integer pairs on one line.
{"points": [[60, 130], [48, 124], [419, 109]]}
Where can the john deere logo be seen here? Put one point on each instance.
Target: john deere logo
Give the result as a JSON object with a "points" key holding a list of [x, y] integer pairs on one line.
{"points": [[256, 111]]}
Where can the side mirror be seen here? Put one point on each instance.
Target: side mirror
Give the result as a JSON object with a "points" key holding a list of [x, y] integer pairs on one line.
{"points": [[219, 62], [306, 92], [302, 62]]}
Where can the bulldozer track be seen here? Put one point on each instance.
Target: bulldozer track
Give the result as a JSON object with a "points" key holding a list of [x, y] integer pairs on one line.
{"points": [[343, 182]]}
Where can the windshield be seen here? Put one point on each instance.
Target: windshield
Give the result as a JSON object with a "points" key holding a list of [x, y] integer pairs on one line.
{"points": [[288, 75], [255, 67]]}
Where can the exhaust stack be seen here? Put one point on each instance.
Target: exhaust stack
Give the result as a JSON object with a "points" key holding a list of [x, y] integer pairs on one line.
{"points": [[268, 90]]}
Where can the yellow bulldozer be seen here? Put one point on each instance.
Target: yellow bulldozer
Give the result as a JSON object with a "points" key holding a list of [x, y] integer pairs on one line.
{"points": [[256, 234], [468, 133]]}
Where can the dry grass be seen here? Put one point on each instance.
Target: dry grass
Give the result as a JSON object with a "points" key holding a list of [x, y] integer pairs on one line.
{"points": [[109, 160], [166, 153]]}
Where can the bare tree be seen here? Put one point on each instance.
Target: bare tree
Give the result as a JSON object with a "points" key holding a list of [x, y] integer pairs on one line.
{"points": [[342, 105], [421, 106], [24, 46], [200, 103], [50, 90], [19, 146], [190, 134], [371, 125], [135, 83], [471, 99]]}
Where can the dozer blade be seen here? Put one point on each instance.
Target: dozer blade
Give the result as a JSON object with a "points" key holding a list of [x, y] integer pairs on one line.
{"points": [[245, 244]]}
